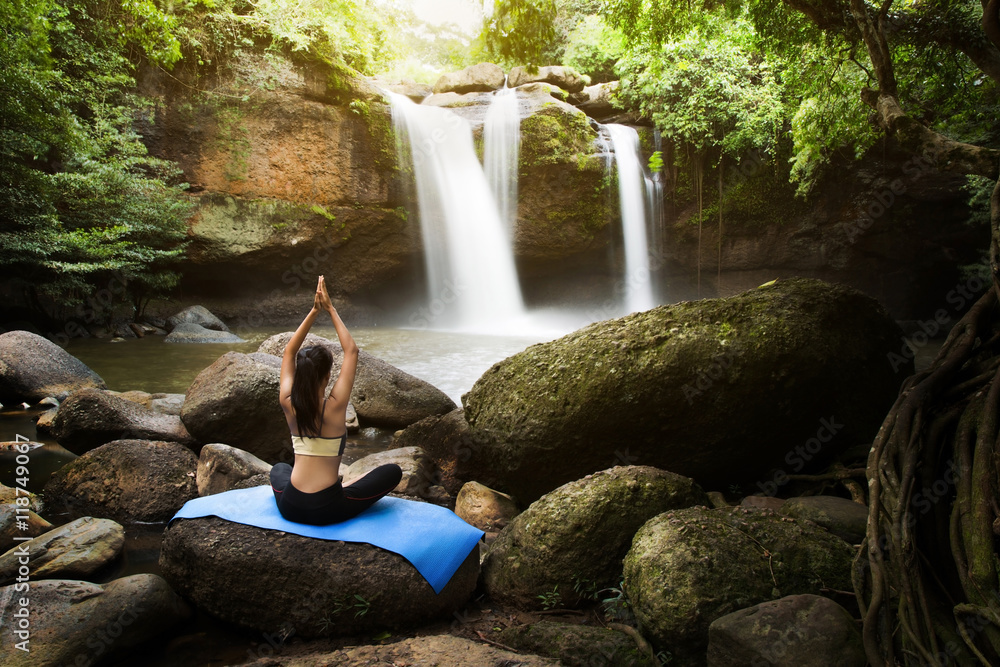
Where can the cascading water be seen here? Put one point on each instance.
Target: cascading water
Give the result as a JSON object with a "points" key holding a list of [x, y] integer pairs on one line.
{"points": [[502, 143], [634, 188], [472, 279]]}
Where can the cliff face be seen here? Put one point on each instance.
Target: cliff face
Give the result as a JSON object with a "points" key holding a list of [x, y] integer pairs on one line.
{"points": [[295, 172]]}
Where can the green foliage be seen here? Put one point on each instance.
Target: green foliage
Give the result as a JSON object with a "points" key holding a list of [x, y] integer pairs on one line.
{"points": [[594, 49], [83, 208], [520, 32], [705, 92], [551, 599]]}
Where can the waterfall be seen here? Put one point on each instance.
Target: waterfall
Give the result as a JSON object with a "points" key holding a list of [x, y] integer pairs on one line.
{"points": [[634, 189], [472, 279], [502, 143]]}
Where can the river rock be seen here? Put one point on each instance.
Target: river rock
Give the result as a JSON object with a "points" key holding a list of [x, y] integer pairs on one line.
{"points": [[10, 494], [43, 426], [566, 78], [383, 395], [33, 525], [574, 645], [318, 587], [544, 89], [127, 480], [72, 551], [77, 623], [167, 404], [220, 467], [484, 508], [91, 417], [763, 502], [429, 651], [552, 547], [842, 517], [417, 92], [688, 567], [795, 631], [482, 77], [33, 368], [196, 315], [419, 471], [721, 390], [188, 332], [235, 401], [448, 440]]}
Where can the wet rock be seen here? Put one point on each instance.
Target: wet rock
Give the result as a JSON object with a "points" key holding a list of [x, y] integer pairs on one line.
{"points": [[235, 401], [33, 368], [431, 650], [415, 91], [795, 631], [721, 390], [482, 77], [318, 587], [574, 645], [842, 517], [43, 427], [552, 547], [33, 525], [484, 508], [688, 567], [188, 332], [419, 471], [10, 494], [196, 315], [220, 467], [566, 78], [72, 551], [76, 622], [539, 88], [127, 480], [383, 395], [90, 418]]}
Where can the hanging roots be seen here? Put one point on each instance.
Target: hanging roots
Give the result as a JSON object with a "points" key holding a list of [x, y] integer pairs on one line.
{"points": [[926, 577]]}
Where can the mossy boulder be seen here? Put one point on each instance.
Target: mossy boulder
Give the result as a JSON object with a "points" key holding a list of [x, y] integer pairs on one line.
{"points": [[688, 567], [270, 580], [722, 390], [126, 480], [570, 542], [842, 517]]}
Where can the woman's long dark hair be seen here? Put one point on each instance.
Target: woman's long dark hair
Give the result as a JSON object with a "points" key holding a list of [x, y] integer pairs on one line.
{"points": [[311, 366]]}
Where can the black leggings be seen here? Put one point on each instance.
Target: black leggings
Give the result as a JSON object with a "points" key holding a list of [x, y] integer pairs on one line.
{"points": [[334, 503]]}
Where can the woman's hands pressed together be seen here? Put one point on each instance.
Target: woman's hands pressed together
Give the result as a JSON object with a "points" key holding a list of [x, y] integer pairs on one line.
{"points": [[322, 299]]}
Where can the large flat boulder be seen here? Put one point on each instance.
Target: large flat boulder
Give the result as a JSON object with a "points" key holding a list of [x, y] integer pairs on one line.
{"points": [[76, 622], [570, 542], [189, 332], [383, 395], [235, 402], [90, 418], [127, 480], [783, 377], [268, 580], [688, 567], [482, 77], [33, 368]]}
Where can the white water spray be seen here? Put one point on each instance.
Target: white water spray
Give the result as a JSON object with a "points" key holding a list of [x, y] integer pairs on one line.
{"points": [[634, 189], [502, 144], [472, 279]]}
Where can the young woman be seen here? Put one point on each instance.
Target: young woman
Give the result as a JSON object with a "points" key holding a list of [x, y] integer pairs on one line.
{"points": [[311, 491]]}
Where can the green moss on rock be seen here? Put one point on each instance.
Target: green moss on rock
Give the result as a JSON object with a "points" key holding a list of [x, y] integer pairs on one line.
{"points": [[554, 135], [721, 390], [688, 567]]}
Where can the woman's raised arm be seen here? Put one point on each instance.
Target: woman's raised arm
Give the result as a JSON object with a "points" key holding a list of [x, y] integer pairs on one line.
{"points": [[295, 342], [348, 368]]}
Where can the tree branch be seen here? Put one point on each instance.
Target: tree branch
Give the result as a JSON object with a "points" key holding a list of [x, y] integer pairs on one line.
{"points": [[991, 21]]}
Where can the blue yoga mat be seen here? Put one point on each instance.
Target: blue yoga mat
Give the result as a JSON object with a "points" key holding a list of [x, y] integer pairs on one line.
{"points": [[434, 539]]}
